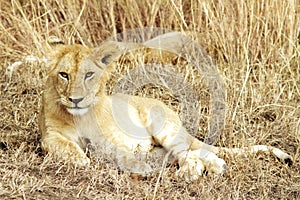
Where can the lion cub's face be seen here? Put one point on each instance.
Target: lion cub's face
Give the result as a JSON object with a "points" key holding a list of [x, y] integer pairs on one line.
{"points": [[75, 72], [76, 79]]}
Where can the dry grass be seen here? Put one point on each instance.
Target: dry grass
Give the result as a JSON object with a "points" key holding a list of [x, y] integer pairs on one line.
{"points": [[255, 46]]}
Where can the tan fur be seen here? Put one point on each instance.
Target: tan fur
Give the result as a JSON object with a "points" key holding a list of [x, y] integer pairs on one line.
{"points": [[149, 126]]}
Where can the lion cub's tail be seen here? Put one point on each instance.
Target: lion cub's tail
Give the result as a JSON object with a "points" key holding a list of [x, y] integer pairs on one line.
{"points": [[284, 157]]}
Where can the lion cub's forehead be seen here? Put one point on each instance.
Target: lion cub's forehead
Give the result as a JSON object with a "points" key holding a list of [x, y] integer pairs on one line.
{"points": [[73, 58]]}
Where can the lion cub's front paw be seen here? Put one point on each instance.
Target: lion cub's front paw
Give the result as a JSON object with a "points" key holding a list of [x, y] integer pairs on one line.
{"points": [[73, 153], [66, 151], [194, 163], [78, 159]]}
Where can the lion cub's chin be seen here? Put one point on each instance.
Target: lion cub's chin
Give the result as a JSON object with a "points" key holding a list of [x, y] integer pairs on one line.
{"points": [[77, 111]]}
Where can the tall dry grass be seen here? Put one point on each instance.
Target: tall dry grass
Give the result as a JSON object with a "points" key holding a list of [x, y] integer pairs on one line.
{"points": [[255, 46]]}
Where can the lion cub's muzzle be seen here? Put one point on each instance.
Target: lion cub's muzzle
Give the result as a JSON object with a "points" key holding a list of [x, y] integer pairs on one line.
{"points": [[75, 101], [76, 109]]}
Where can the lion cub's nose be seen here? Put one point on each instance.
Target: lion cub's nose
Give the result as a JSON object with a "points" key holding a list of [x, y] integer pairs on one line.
{"points": [[76, 101]]}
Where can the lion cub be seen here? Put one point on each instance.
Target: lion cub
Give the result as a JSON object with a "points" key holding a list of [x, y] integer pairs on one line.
{"points": [[76, 107]]}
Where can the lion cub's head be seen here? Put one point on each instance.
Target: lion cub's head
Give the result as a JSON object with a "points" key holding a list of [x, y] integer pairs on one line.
{"points": [[75, 73]]}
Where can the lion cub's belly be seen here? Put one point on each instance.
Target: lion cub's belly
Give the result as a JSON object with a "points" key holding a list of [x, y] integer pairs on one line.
{"points": [[120, 123]]}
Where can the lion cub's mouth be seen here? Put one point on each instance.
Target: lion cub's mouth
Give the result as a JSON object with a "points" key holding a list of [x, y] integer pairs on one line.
{"points": [[77, 110]]}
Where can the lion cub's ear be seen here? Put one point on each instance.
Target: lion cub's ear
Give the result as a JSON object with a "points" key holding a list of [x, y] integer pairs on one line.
{"points": [[54, 41], [53, 44], [53, 47], [109, 51]]}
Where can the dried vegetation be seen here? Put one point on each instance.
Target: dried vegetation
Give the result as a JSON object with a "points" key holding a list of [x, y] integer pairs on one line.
{"points": [[255, 45]]}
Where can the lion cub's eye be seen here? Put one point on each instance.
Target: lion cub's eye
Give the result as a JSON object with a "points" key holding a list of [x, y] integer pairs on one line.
{"points": [[64, 75], [89, 75]]}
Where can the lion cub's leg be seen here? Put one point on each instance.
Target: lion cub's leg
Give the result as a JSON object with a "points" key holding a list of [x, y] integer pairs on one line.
{"points": [[192, 162], [63, 149]]}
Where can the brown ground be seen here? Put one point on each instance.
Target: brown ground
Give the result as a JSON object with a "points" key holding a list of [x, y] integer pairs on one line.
{"points": [[255, 47]]}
